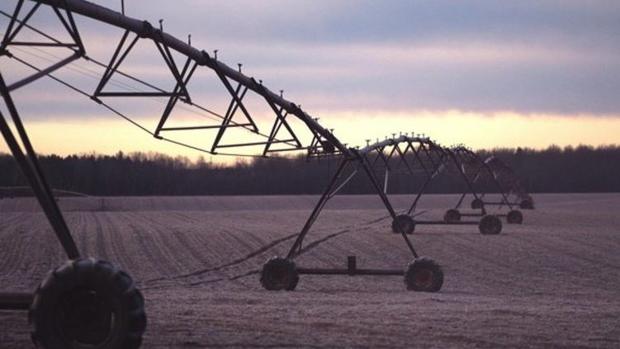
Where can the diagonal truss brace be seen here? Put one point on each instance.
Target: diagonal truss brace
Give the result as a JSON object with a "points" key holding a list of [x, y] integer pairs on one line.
{"points": [[120, 54], [15, 27], [336, 183]]}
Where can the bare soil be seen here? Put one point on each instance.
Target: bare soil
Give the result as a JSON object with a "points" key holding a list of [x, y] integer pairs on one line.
{"points": [[552, 282]]}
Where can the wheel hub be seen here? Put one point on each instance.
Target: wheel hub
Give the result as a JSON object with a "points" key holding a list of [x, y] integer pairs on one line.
{"points": [[84, 317], [424, 278]]}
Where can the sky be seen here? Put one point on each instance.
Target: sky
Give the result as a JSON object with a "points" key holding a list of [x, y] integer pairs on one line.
{"points": [[484, 73]]}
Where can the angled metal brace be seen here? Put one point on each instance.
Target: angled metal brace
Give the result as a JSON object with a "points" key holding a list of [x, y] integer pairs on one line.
{"points": [[469, 184], [68, 23], [44, 72], [180, 87], [71, 28], [29, 165], [236, 98], [230, 112], [10, 34], [115, 61], [381, 156], [484, 166], [320, 147], [186, 75], [276, 127], [403, 159], [428, 154], [416, 154], [274, 130], [294, 250], [119, 56], [386, 202]]}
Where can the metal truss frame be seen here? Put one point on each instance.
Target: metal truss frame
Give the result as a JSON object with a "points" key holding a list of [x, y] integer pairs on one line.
{"points": [[479, 169], [512, 193], [323, 143], [431, 160]]}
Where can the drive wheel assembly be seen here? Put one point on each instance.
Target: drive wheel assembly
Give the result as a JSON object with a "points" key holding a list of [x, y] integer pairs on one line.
{"points": [[514, 217], [490, 225], [279, 274], [403, 223], [424, 275], [477, 204], [452, 216], [527, 204], [87, 303]]}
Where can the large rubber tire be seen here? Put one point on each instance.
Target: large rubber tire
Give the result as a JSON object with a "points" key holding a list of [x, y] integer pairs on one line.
{"points": [[424, 275], [87, 303], [279, 274], [490, 225], [514, 217], [477, 204], [452, 216], [405, 222], [527, 204]]}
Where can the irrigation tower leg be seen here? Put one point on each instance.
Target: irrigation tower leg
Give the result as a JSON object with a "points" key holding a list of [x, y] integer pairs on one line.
{"points": [[419, 195], [386, 201], [459, 169], [460, 201], [29, 165], [317, 210]]}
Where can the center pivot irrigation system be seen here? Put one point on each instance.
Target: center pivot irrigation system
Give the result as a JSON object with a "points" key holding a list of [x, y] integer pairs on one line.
{"points": [[420, 158], [88, 302], [512, 193]]}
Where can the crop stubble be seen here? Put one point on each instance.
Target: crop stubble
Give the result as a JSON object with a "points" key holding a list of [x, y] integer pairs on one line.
{"points": [[553, 281]]}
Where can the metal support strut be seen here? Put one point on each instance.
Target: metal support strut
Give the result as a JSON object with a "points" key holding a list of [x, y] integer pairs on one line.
{"points": [[330, 191], [29, 165]]}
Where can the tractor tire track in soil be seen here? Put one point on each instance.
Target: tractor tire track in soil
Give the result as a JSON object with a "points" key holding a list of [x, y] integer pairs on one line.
{"points": [[261, 250], [169, 247], [158, 264], [180, 249], [241, 260], [549, 283]]}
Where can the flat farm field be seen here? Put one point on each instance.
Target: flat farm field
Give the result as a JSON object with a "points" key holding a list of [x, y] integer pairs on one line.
{"points": [[552, 282]]}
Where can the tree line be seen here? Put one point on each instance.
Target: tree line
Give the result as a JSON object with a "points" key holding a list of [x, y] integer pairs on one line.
{"points": [[553, 170]]}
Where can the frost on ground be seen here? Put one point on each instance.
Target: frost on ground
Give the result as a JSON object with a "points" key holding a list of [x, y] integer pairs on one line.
{"points": [[552, 282]]}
